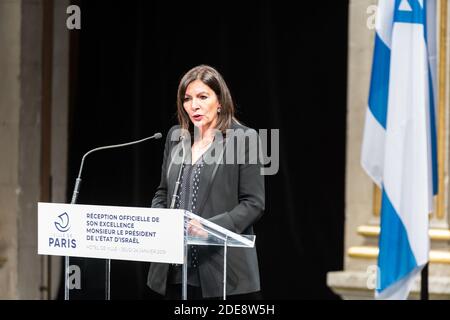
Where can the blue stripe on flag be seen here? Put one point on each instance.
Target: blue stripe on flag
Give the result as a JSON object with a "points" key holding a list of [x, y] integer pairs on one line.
{"points": [[395, 259], [416, 15], [434, 163], [379, 83], [425, 24]]}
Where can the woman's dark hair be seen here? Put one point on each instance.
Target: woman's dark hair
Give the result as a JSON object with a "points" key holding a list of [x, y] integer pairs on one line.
{"points": [[213, 79]]}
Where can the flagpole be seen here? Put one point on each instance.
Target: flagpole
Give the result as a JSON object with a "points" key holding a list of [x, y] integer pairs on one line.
{"points": [[442, 87], [424, 283]]}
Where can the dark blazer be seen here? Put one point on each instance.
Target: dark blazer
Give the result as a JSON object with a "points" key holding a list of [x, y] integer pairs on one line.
{"points": [[230, 195]]}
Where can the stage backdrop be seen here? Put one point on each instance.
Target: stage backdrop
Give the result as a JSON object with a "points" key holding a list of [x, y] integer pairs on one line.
{"points": [[285, 63]]}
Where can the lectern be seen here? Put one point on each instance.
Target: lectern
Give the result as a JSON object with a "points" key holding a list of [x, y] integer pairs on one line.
{"points": [[216, 236], [129, 233]]}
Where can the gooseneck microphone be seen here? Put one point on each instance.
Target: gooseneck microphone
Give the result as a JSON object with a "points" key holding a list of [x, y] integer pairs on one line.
{"points": [[76, 191], [178, 182]]}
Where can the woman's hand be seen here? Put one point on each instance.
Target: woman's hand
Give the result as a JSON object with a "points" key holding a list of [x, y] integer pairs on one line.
{"points": [[195, 229]]}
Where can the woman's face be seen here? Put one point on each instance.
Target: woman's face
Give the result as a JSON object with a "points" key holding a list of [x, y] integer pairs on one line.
{"points": [[201, 104]]}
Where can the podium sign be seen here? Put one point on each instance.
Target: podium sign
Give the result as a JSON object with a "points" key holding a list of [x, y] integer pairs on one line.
{"points": [[111, 232]]}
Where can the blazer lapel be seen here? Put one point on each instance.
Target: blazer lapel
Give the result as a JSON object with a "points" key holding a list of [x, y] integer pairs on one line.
{"points": [[206, 177], [208, 174]]}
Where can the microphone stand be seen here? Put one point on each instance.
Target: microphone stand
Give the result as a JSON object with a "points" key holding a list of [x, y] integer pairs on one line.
{"points": [[172, 206], [178, 182], [76, 191]]}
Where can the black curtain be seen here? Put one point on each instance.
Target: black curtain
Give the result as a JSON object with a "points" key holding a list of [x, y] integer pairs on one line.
{"points": [[285, 63]]}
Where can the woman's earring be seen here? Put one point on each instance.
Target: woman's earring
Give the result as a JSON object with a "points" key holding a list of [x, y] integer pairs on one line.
{"points": [[218, 110]]}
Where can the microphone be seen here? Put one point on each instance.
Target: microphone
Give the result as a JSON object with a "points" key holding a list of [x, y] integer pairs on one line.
{"points": [[76, 190], [178, 182]]}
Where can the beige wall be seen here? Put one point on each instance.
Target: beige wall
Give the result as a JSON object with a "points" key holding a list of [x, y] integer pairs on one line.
{"points": [[10, 30], [359, 187], [22, 271]]}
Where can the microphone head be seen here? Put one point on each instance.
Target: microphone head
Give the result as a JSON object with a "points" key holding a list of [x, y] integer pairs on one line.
{"points": [[157, 135]]}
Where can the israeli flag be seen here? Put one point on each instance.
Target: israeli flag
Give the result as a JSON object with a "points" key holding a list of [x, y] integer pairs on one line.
{"points": [[399, 144]]}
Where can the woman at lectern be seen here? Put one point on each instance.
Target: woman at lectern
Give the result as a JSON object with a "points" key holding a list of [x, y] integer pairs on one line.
{"points": [[209, 169]]}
